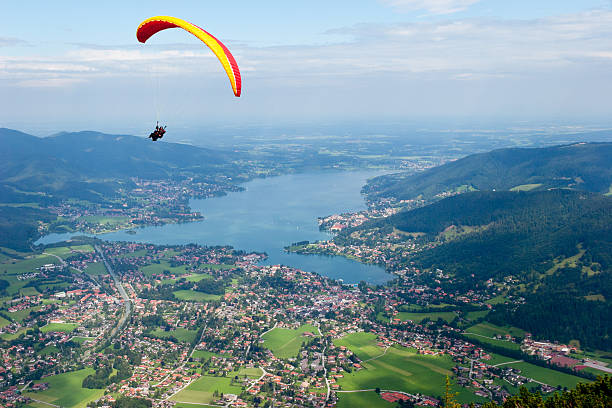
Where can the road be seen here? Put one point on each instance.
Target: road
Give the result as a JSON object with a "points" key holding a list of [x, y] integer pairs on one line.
{"points": [[126, 300]]}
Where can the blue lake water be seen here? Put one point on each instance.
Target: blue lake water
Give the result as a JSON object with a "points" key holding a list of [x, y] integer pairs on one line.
{"points": [[271, 214]]}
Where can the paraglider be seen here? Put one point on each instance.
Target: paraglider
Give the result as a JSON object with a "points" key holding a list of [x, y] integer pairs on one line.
{"points": [[158, 133], [153, 25]]}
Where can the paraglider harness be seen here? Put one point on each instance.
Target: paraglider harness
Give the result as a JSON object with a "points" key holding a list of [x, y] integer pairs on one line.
{"points": [[158, 133]]}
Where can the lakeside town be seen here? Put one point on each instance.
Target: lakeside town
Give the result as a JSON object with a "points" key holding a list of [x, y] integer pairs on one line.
{"points": [[213, 326]]}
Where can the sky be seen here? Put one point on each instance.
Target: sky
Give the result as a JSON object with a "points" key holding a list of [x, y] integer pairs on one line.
{"points": [[73, 65]]}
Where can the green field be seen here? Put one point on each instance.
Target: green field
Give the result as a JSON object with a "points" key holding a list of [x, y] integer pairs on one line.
{"points": [[419, 317], [497, 359], [95, 268], [81, 340], [201, 391], [204, 355], [65, 390], [159, 268], [403, 369], [476, 315], [180, 334], [196, 277], [59, 327], [105, 220], [48, 350], [368, 399], [216, 267], [546, 375], [285, 343], [4, 322], [13, 336], [419, 308], [362, 344], [20, 315], [254, 372], [526, 187], [490, 330], [195, 296], [65, 252], [27, 265]]}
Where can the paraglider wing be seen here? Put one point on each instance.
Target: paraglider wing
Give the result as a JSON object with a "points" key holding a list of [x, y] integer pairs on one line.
{"points": [[153, 25]]}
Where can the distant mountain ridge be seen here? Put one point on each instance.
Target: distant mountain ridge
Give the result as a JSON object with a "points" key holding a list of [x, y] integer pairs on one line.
{"points": [[581, 166], [32, 163], [92, 166]]}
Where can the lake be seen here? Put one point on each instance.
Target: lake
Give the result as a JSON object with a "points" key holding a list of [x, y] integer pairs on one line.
{"points": [[270, 214]]}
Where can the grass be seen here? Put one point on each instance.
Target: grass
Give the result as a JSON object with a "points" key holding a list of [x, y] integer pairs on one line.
{"points": [[418, 308], [216, 267], [254, 372], [159, 268], [65, 252], [48, 350], [29, 291], [95, 268], [490, 330], [204, 355], [497, 359], [497, 300], [81, 340], [526, 187], [9, 337], [20, 315], [285, 343], [4, 322], [105, 220], [402, 369], [191, 278], [362, 344], [362, 399], [476, 315], [59, 327], [65, 390], [180, 334], [201, 390], [195, 296], [419, 317], [27, 265], [546, 375]]}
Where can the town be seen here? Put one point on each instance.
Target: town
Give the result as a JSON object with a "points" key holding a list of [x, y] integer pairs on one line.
{"points": [[211, 325]]}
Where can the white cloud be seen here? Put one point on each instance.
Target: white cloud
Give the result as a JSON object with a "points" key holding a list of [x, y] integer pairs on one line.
{"points": [[432, 6]]}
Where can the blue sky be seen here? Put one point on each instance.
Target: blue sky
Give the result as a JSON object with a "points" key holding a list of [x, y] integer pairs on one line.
{"points": [[74, 64]]}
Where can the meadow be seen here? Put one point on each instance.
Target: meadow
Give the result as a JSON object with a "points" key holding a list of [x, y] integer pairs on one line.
{"points": [[419, 317], [201, 391], [65, 390], [184, 335], [364, 345], [59, 327], [195, 296], [96, 268], [402, 369], [285, 343], [159, 268], [368, 399], [491, 330]]}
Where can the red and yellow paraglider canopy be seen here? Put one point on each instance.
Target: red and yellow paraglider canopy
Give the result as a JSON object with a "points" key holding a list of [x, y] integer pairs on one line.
{"points": [[153, 25]]}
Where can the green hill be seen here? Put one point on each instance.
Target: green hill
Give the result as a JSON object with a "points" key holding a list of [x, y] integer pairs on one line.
{"points": [[526, 235], [581, 166]]}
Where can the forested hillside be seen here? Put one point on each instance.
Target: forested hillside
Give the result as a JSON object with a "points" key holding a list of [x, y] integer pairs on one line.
{"points": [[525, 235], [581, 166]]}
